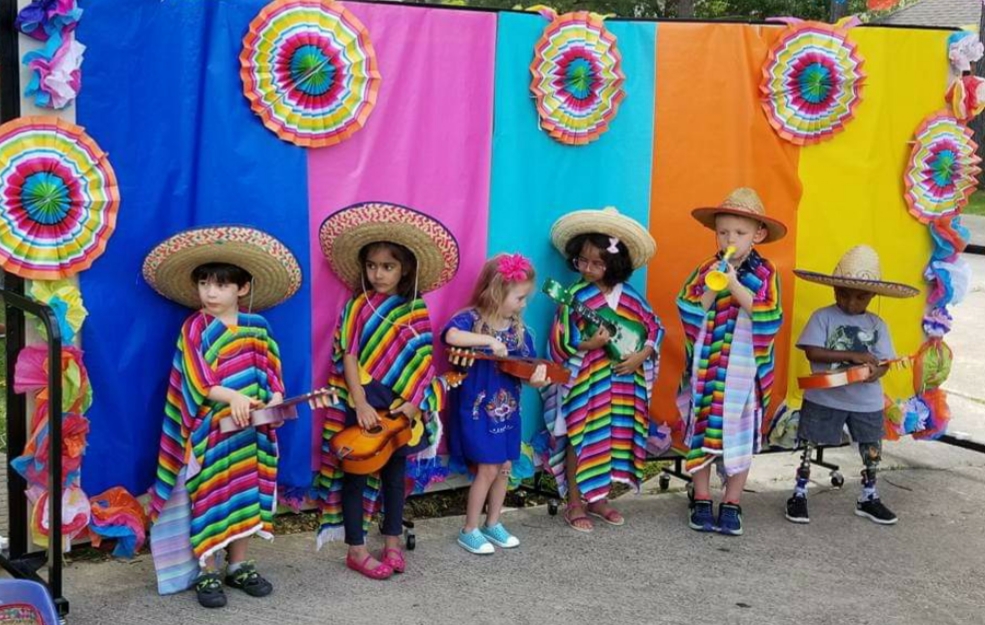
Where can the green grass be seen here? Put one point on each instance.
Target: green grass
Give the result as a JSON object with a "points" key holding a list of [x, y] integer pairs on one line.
{"points": [[976, 205]]}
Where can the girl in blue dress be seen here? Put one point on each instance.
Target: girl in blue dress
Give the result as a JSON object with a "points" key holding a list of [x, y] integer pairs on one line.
{"points": [[484, 425]]}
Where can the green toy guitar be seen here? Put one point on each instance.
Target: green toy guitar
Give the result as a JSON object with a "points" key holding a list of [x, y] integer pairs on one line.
{"points": [[626, 336]]}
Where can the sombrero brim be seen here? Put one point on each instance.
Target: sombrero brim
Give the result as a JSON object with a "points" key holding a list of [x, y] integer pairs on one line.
{"points": [[637, 240], [775, 230], [346, 232], [879, 287], [276, 273]]}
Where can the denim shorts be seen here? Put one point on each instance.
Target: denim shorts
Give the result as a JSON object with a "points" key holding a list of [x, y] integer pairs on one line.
{"points": [[824, 426]]}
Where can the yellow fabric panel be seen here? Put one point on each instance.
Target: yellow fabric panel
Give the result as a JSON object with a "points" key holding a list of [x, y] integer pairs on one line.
{"points": [[853, 189]]}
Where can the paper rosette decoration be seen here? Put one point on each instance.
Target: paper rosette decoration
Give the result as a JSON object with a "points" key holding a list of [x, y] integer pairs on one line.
{"points": [[309, 71], [65, 300], [31, 374], [812, 82], [943, 169], [577, 78], [58, 198]]}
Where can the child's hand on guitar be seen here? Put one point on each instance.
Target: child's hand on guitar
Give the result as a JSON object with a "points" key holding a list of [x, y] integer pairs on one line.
{"points": [[407, 409], [598, 341], [240, 406], [366, 416], [632, 362], [539, 377], [498, 348], [864, 358]]}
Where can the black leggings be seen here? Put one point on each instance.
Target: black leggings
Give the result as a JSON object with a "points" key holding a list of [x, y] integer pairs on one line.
{"points": [[392, 477]]}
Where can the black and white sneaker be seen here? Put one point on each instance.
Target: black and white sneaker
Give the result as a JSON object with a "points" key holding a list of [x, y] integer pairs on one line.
{"points": [[873, 510], [797, 510]]}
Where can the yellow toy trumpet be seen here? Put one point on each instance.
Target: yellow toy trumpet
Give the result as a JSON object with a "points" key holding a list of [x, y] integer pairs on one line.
{"points": [[717, 280]]}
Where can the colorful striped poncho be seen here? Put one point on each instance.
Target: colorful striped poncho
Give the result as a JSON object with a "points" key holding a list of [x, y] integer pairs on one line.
{"points": [[603, 416], [728, 383], [214, 488], [392, 339]]}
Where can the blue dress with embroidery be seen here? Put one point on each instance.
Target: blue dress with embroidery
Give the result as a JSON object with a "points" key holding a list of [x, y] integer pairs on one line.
{"points": [[484, 412]]}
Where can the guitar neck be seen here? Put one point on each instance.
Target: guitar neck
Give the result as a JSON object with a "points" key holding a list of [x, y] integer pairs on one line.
{"points": [[591, 315]]}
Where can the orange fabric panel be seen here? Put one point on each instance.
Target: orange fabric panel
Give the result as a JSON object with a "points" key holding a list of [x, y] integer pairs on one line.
{"points": [[711, 136]]}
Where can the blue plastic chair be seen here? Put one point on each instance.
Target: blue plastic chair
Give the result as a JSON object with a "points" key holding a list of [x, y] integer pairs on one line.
{"points": [[27, 593]]}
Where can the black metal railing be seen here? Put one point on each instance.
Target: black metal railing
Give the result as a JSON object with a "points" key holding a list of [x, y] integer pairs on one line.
{"points": [[18, 560]]}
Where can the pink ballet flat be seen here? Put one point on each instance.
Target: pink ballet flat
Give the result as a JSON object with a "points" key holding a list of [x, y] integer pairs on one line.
{"points": [[382, 571], [394, 558]]}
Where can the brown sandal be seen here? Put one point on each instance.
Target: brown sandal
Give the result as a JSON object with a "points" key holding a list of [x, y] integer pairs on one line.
{"points": [[572, 519], [610, 516]]}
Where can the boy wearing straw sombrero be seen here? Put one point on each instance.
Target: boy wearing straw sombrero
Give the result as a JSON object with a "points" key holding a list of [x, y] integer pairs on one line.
{"points": [[846, 333], [729, 328], [215, 489]]}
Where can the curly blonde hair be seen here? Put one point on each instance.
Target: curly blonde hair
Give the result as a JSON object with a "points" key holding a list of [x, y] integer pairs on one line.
{"points": [[491, 290]]}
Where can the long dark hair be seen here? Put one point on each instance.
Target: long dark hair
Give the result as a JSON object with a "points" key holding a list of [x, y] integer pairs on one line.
{"points": [[407, 286], [618, 266]]}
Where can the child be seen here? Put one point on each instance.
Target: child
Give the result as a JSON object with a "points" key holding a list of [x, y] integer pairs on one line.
{"points": [[389, 255], [846, 334], [214, 490], [485, 421], [728, 341], [599, 420]]}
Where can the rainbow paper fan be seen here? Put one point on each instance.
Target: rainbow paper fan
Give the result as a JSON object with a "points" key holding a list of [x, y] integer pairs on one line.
{"points": [[812, 83], [577, 79], [309, 71], [58, 198], [943, 169]]}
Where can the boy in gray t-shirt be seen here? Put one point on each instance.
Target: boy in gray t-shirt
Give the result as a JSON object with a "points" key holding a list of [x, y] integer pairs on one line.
{"points": [[844, 335]]}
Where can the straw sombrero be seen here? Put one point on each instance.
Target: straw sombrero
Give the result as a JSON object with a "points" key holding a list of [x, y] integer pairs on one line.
{"points": [[346, 232], [743, 202], [276, 273], [610, 222], [859, 269]]}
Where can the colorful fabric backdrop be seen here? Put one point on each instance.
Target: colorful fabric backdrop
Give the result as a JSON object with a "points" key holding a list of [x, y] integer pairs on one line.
{"points": [[455, 134]]}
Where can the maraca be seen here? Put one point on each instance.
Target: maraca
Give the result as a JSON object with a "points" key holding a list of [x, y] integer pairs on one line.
{"points": [[717, 280]]}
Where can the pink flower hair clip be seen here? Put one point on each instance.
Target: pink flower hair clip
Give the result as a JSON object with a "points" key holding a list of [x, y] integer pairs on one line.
{"points": [[513, 267]]}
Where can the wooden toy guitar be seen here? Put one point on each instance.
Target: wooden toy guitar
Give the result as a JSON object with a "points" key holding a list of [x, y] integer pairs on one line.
{"points": [[287, 409], [362, 451], [626, 336], [522, 368], [843, 376]]}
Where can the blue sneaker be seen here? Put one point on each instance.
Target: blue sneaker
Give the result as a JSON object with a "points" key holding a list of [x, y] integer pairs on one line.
{"points": [[475, 542], [702, 517], [730, 519], [499, 536]]}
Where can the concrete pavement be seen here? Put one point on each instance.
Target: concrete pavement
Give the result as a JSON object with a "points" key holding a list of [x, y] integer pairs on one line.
{"points": [[839, 569]]}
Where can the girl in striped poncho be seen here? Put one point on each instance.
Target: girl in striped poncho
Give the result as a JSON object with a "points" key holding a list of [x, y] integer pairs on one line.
{"points": [[729, 347], [216, 489], [382, 361], [599, 420]]}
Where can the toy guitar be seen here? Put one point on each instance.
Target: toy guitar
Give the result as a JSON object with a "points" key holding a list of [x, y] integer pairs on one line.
{"points": [[843, 376], [363, 451], [522, 368], [287, 409], [626, 336]]}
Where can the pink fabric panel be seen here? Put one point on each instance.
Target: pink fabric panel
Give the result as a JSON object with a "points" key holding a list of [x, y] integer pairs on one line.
{"points": [[426, 145]]}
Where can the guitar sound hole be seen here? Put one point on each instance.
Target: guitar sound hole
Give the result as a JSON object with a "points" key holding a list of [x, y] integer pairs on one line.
{"points": [[376, 429]]}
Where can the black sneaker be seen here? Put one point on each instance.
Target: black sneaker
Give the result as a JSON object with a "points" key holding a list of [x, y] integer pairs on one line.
{"points": [[208, 587], [797, 510], [702, 517], [249, 581], [875, 511]]}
